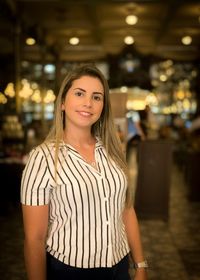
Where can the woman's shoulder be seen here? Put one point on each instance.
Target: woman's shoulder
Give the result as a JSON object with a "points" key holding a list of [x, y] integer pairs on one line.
{"points": [[40, 151], [43, 148]]}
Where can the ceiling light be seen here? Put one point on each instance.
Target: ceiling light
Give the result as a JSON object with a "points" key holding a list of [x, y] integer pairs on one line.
{"points": [[186, 40], [129, 40], [131, 19], [30, 41], [74, 41]]}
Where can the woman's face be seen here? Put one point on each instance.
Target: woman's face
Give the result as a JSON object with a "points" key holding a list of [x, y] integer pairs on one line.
{"points": [[84, 102]]}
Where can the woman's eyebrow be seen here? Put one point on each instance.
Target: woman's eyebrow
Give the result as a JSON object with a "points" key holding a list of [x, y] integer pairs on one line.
{"points": [[95, 92], [80, 89]]}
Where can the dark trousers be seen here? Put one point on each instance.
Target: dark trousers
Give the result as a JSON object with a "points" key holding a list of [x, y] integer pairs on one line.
{"points": [[56, 270]]}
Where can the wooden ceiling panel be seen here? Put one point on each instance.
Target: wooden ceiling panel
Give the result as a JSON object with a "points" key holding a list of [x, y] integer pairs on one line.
{"points": [[101, 26]]}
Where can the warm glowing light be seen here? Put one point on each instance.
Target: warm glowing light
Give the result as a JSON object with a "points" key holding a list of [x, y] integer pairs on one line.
{"points": [[170, 71], [135, 104], [186, 40], [36, 97], [9, 91], [34, 86], [167, 110], [163, 78], [26, 90], [186, 104], [3, 99], [151, 99], [194, 105], [129, 40], [49, 97], [123, 89], [180, 94], [131, 19], [30, 41], [74, 41]]}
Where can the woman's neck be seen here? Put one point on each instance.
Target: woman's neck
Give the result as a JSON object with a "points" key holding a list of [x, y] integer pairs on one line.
{"points": [[78, 139]]}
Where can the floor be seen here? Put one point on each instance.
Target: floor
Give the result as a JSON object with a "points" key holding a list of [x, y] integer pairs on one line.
{"points": [[172, 248]]}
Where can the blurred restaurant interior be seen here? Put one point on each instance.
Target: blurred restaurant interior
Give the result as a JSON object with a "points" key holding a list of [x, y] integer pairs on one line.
{"points": [[149, 51]]}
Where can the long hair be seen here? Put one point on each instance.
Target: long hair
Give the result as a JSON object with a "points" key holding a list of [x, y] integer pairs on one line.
{"points": [[104, 128]]}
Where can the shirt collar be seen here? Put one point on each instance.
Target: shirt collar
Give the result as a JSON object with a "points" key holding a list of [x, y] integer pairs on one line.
{"points": [[99, 144]]}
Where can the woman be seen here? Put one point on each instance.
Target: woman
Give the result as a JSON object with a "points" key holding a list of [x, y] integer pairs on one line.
{"points": [[77, 213]]}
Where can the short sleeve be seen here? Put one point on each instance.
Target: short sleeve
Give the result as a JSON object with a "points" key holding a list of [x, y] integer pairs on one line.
{"points": [[36, 180]]}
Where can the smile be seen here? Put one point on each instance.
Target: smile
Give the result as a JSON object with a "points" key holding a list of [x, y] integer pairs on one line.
{"points": [[85, 114]]}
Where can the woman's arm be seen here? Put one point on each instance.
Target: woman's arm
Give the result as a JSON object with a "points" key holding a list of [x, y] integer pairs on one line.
{"points": [[35, 220], [134, 240]]}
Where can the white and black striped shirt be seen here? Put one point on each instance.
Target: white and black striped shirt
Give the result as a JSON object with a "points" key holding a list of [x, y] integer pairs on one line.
{"points": [[85, 219]]}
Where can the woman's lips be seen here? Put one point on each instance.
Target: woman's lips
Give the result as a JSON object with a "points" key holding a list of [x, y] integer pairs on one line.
{"points": [[85, 114]]}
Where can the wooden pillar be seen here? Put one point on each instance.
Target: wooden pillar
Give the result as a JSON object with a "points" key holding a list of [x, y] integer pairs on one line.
{"points": [[17, 55]]}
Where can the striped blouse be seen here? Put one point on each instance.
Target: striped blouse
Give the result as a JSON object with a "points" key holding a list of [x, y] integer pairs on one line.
{"points": [[85, 204]]}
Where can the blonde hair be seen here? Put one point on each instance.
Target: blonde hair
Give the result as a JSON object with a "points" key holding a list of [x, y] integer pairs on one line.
{"points": [[104, 128]]}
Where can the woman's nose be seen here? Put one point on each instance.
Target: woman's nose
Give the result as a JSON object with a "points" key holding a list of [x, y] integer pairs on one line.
{"points": [[88, 102]]}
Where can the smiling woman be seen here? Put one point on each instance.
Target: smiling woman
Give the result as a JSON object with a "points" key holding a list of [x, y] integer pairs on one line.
{"points": [[83, 104], [77, 209]]}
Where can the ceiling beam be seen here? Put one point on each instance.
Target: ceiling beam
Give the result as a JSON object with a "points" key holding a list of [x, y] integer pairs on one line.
{"points": [[91, 14], [171, 11]]}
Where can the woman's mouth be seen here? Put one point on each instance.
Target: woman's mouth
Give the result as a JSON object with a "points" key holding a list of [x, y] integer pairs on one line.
{"points": [[85, 114]]}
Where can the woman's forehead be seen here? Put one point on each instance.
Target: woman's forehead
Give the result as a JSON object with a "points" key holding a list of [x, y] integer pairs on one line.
{"points": [[88, 82]]}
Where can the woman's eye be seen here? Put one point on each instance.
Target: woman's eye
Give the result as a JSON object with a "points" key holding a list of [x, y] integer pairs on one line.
{"points": [[97, 98], [78, 93]]}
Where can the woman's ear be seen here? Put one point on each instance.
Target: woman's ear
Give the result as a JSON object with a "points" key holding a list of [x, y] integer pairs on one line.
{"points": [[62, 107]]}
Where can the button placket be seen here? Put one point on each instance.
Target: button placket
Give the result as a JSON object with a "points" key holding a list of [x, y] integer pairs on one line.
{"points": [[108, 220]]}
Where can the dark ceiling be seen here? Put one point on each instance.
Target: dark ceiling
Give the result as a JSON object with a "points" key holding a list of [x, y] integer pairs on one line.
{"points": [[101, 27]]}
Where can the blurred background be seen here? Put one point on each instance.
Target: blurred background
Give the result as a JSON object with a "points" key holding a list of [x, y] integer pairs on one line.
{"points": [[149, 52]]}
